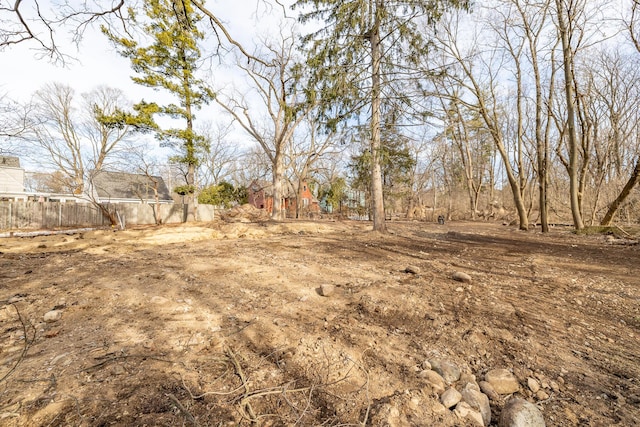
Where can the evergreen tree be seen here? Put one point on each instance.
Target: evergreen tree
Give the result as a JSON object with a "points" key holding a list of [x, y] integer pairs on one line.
{"points": [[354, 57], [169, 62]]}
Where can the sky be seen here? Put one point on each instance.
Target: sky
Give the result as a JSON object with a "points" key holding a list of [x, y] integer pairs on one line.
{"points": [[95, 61]]}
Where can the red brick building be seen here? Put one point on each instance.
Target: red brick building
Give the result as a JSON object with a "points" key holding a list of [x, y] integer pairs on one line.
{"points": [[260, 195]]}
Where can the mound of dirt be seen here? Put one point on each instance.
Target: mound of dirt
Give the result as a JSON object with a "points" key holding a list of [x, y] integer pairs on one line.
{"points": [[244, 213]]}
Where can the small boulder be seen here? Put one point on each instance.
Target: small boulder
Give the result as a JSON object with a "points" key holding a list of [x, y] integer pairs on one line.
{"points": [[448, 370], [503, 381], [488, 389], [477, 401], [327, 290], [520, 413], [159, 300], [412, 269], [434, 379], [52, 316], [464, 411], [533, 385], [450, 398], [462, 277]]}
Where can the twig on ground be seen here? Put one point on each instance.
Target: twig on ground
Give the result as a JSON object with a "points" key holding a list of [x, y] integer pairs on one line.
{"points": [[182, 409], [126, 356], [244, 404], [27, 343], [208, 393]]}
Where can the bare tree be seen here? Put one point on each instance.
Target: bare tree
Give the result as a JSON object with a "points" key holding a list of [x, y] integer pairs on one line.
{"points": [[633, 27], [479, 73], [274, 109], [71, 138], [305, 152], [46, 26], [219, 156], [142, 161]]}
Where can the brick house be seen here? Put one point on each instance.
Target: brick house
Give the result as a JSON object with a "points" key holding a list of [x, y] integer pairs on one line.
{"points": [[260, 195]]}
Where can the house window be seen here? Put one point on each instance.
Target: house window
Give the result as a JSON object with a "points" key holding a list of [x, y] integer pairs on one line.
{"points": [[305, 203]]}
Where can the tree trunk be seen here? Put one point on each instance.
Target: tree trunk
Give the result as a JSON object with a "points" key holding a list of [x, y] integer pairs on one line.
{"points": [[571, 121], [377, 202], [515, 189], [191, 196], [277, 213], [626, 190]]}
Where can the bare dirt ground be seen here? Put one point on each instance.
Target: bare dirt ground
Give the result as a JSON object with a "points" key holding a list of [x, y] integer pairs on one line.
{"points": [[224, 324]]}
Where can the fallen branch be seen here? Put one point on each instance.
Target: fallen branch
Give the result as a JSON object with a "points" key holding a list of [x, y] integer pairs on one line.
{"points": [[27, 344], [182, 409], [126, 356], [624, 232], [244, 404]]}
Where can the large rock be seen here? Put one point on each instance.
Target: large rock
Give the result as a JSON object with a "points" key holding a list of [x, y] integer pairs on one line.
{"points": [[503, 381], [520, 413], [448, 370], [450, 398], [477, 401]]}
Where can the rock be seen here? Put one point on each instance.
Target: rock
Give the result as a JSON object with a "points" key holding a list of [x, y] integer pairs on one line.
{"points": [[159, 300], [52, 316], [327, 290], [448, 370], [434, 379], [488, 389], [450, 398], [462, 277], [478, 401], [412, 269], [464, 411], [503, 381], [468, 379], [438, 408], [426, 365], [520, 413], [533, 385], [542, 395], [16, 298]]}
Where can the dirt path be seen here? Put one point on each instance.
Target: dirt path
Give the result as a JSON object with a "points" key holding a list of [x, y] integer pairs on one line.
{"points": [[225, 324]]}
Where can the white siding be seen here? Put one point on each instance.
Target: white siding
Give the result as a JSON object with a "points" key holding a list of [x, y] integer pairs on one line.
{"points": [[11, 180]]}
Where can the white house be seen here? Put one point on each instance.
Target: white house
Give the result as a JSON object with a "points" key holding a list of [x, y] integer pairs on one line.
{"points": [[11, 179]]}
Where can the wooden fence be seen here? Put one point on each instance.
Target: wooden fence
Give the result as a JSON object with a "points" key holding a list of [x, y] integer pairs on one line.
{"points": [[15, 215]]}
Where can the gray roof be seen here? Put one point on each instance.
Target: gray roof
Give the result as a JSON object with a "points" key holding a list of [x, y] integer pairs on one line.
{"points": [[120, 185], [9, 161]]}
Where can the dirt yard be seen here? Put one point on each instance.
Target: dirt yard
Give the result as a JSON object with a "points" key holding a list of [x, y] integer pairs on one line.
{"points": [[315, 323]]}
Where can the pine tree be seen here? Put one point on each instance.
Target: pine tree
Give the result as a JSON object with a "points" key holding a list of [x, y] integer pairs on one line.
{"points": [[356, 55], [169, 62]]}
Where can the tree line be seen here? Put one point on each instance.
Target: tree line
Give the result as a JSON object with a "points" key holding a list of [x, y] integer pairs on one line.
{"points": [[467, 109]]}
